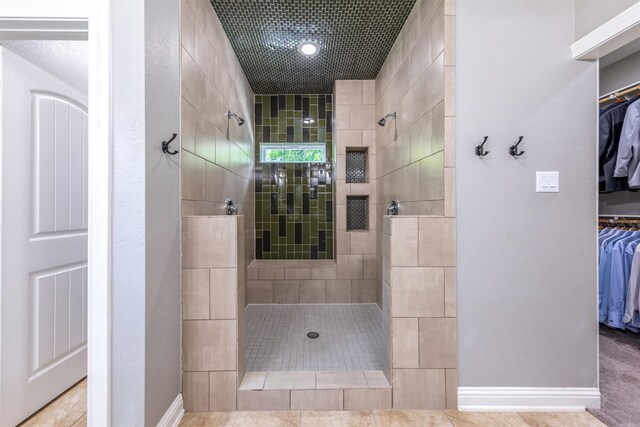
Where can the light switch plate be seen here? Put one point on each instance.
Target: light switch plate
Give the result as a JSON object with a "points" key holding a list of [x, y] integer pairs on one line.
{"points": [[547, 181]]}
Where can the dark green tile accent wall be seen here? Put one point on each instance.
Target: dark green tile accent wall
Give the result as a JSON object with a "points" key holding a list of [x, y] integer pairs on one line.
{"points": [[294, 215]]}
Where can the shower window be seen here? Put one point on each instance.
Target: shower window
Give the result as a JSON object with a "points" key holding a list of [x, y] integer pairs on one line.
{"points": [[292, 153]]}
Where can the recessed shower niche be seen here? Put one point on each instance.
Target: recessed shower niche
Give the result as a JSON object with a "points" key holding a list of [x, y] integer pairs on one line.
{"points": [[356, 171]]}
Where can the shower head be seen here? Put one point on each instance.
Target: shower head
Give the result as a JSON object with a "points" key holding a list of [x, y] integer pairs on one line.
{"points": [[238, 118], [383, 120]]}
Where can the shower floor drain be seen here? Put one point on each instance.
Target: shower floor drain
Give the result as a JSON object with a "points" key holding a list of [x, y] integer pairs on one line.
{"points": [[313, 335]]}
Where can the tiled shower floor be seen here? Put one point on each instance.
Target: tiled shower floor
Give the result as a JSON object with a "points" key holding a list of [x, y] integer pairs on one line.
{"points": [[350, 337]]}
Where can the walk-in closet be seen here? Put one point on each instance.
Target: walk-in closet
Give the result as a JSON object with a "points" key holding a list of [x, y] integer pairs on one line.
{"points": [[619, 235]]}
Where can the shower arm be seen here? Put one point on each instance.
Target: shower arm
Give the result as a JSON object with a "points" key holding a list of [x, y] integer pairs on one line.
{"points": [[237, 117]]}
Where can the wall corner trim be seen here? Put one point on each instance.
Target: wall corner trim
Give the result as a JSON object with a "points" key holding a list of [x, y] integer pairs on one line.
{"points": [[527, 398], [174, 413], [613, 34]]}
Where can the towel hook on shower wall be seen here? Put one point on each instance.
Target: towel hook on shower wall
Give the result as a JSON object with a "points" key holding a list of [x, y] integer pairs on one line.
{"points": [[165, 146]]}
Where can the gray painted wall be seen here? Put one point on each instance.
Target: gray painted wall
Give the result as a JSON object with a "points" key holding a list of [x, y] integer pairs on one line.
{"points": [[146, 219], [128, 215], [619, 74], [590, 14], [163, 237], [527, 261]]}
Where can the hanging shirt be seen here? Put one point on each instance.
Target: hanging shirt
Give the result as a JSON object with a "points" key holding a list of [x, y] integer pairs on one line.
{"points": [[611, 124], [628, 159], [634, 286], [618, 280], [631, 315], [604, 273]]}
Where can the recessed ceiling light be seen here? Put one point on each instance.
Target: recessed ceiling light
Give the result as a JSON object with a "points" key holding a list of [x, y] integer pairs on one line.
{"points": [[308, 48]]}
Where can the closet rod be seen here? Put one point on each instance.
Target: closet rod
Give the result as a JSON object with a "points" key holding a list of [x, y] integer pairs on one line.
{"points": [[612, 96]]}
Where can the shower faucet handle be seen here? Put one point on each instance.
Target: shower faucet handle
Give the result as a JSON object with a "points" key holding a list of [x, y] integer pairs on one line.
{"points": [[393, 207]]}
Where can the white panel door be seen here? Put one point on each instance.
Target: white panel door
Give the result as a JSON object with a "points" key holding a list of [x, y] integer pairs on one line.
{"points": [[43, 326]]}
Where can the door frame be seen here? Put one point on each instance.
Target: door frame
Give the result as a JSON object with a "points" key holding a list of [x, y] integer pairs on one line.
{"points": [[84, 20]]}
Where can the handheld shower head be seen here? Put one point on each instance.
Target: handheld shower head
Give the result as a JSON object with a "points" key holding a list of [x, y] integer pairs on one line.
{"points": [[238, 118], [383, 120]]}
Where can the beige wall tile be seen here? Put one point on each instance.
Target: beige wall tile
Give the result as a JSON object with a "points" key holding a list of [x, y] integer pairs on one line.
{"points": [[376, 379], [338, 291], [222, 391], [266, 400], [271, 274], [406, 342], [317, 400], [450, 142], [432, 177], [366, 399], [417, 292], [252, 274], [195, 294], [193, 176], [344, 379], [286, 291], [253, 381], [363, 291], [368, 91], [350, 267], [208, 242], [188, 126], [370, 267], [420, 137], [187, 30], [341, 119], [438, 343], [451, 379], [195, 391], [259, 292], [323, 273], [437, 127], [450, 296], [223, 293], [348, 92], [297, 273], [290, 380], [209, 345], [362, 117], [450, 192], [437, 242], [343, 239], [449, 91], [419, 389], [404, 242], [437, 31], [214, 177], [449, 38], [363, 242], [312, 291]]}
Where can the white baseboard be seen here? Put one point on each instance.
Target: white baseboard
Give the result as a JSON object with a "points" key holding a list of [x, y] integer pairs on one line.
{"points": [[174, 414], [527, 399]]}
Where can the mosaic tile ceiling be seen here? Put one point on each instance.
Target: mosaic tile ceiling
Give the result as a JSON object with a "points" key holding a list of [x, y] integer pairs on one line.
{"points": [[355, 37]]}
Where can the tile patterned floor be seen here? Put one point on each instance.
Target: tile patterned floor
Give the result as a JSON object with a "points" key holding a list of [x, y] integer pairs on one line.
{"points": [[389, 418], [350, 337], [67, 410]]}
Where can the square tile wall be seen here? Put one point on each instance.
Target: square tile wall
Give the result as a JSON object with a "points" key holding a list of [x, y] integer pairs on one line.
{"points": [[294, 218]]}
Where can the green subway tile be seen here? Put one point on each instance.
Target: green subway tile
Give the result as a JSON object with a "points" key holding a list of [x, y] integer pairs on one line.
{"points": [[282, 252], [290, 102]]}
